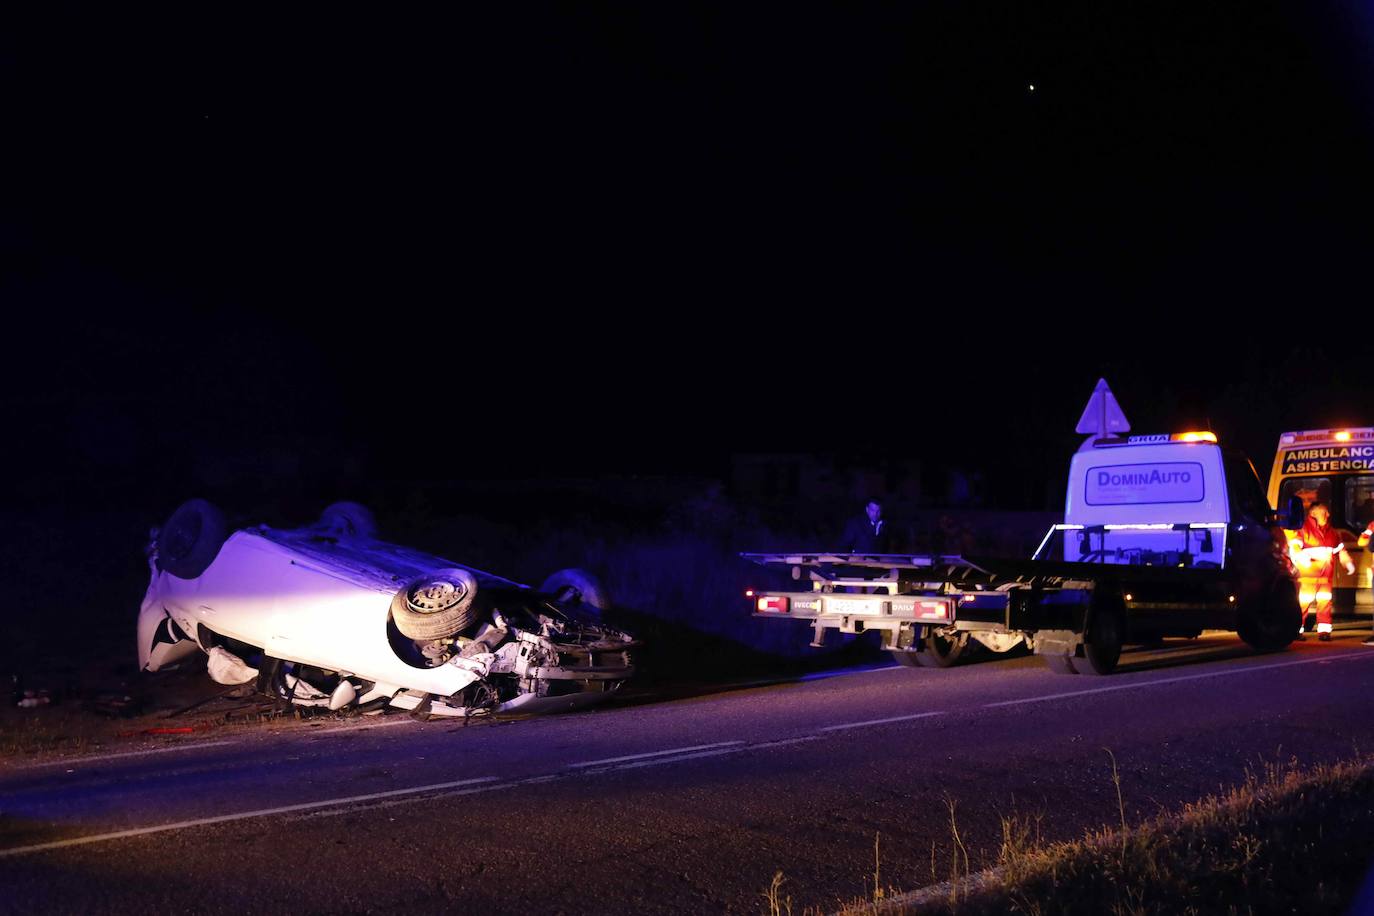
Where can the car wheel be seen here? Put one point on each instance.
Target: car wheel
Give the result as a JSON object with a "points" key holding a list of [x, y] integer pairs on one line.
{"points": [[190, 540], [1102, 642], [348, 518], [1270, 622], [580, 588], [940, 650], [436, 605]]}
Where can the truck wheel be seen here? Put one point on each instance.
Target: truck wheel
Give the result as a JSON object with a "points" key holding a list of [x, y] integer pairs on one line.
{"points": [[1270, 623], [1102, 642], [906, 658], [1060, 664], [940, 650], [190, 540]]}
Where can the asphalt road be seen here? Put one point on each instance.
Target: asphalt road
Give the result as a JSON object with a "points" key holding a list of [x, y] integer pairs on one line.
{"points": [[675, 806]]}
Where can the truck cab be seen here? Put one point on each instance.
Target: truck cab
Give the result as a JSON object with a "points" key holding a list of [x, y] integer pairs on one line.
{"points": [[1149, 500], [1179, 502]]}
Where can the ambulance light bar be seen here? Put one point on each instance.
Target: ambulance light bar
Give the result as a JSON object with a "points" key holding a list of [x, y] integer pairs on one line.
{"points": [[1353, 434]]}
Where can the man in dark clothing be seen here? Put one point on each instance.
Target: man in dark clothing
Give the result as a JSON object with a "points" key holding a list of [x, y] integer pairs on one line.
{"points": [[867, 534]]}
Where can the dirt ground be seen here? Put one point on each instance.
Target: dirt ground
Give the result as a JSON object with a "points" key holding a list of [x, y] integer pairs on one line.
{"points": [[111, 708]]}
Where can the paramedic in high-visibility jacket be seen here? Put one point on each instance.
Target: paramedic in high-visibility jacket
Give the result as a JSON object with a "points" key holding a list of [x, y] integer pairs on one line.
{"points": [[1316, 547]]}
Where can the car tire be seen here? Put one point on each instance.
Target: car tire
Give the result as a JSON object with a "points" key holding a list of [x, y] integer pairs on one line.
{"points": [[938, 651], [588, 592], [436, 605], [1270, 622], [1106, 632], [191, 538], [349, 518]]}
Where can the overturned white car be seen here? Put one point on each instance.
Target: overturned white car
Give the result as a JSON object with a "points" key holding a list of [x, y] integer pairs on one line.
{"points": [[330, 616]]}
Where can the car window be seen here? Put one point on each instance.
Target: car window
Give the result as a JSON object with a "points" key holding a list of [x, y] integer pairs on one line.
{"points": [[1359, 501], [1243, 486]]}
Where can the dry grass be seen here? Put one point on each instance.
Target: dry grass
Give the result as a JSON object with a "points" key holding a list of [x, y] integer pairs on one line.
{"points": [[1287, 840]]}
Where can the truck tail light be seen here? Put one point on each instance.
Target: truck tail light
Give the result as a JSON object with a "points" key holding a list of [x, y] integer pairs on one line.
{"points": [[932, 610], [772, 603]]}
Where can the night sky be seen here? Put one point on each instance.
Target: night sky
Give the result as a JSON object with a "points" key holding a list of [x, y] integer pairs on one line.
{"points": [[342, 245]]}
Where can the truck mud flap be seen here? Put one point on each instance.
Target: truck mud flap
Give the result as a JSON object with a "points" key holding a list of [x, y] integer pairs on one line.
{"points": [[1058, 648], [1057, 642]]}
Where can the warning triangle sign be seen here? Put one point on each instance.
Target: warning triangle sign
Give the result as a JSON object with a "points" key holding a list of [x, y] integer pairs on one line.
{"points": [[1102, 416]]}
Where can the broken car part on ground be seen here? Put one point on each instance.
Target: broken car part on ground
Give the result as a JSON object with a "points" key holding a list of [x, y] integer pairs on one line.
{"points": [[330, 616]]}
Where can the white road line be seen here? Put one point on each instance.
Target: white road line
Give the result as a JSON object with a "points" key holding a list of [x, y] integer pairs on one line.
{"points": [[473, 790], [678, 759], [77, 761], [868, 722], [672, 750], [549, 777], [438, 796], [1178, 680], [238, 816], [785, 742]]}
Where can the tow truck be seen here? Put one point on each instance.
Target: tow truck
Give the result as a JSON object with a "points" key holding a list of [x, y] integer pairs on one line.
{"points": [[1163, 536]]}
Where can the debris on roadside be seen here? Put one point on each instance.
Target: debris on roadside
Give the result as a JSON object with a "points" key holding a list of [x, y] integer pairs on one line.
{"points": [[26, 698], [231, 692], [163, 730], [34, 698], [115, 705]]}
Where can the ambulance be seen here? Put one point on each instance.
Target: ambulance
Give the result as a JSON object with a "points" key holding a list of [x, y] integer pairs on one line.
{"points": [[1336, 467]]}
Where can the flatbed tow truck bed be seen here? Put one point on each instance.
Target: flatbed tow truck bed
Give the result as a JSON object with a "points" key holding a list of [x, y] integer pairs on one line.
{"points": [[985, 571], [928, 607]]}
